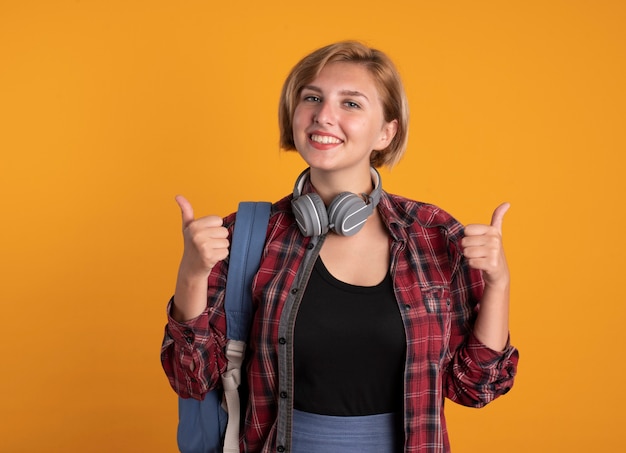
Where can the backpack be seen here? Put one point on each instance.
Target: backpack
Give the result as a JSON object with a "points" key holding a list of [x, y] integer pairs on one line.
{"points": [[212, 425]]}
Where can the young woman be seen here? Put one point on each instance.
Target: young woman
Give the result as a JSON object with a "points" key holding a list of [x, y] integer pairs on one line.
{"points": [[370, 308]]}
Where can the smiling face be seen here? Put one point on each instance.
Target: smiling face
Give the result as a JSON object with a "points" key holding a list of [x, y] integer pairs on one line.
{"points": [[338, 120]]}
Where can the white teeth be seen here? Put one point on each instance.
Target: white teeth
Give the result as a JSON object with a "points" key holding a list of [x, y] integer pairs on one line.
{"points": [[324, 139]]}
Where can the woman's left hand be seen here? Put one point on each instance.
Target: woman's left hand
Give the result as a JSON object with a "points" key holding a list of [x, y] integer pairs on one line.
{"points": [[482, 246]]}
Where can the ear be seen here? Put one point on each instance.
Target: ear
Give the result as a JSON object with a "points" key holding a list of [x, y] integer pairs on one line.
{"points": [[387, 133]]}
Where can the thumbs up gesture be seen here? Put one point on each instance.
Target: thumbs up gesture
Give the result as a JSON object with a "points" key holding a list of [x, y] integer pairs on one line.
{"points": [[482, 246], [206, 242]]}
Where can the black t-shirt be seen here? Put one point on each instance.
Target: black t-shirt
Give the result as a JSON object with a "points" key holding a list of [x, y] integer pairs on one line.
{"points": [[349, 348]]}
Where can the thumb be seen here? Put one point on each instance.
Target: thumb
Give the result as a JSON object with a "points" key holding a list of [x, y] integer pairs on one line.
{"points": [[185, 209], [498, 215]]}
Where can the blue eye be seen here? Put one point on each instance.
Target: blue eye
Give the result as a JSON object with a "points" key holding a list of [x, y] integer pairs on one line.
{"points": [[352, 104], [311, 98]]}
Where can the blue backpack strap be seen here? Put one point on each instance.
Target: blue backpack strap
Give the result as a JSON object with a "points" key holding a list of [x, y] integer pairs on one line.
{"points": [[202, 424], [244, 258]]}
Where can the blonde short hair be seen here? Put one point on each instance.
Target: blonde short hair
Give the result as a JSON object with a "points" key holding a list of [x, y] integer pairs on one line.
{"points": [[388, 83]]}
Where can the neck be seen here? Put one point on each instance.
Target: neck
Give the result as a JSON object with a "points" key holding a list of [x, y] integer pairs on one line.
{"points": [[330, 184]]}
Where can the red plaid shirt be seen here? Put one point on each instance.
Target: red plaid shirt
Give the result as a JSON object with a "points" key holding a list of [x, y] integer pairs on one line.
{"points": [[438, 297]]}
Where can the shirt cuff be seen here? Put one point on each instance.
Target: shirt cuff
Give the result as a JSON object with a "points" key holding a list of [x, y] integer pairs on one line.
{"points": [[183, 333], [486, 357]]}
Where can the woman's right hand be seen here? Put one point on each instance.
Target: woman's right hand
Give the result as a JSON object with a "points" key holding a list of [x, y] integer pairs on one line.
{"points": [[205, 239], [205, 244]]}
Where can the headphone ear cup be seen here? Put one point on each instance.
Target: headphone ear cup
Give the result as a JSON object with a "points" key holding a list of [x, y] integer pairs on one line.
{"points": [[310, 213], [347, 214]]}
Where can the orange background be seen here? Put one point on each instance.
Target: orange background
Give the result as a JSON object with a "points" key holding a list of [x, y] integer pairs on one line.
{"points": [[109, 108]]}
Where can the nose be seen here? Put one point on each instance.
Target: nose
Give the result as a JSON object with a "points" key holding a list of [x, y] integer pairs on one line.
{"points": [[325, 114]]}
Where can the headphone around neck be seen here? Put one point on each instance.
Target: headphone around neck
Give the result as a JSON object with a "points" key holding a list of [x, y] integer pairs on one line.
{"points": [[345, 215]]}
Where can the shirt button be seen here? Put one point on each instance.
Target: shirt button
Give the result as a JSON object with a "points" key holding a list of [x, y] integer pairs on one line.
{"points": [[294, 290], [283, 394], [407, 307], [310, 246], [280, 449], [282, 340]]}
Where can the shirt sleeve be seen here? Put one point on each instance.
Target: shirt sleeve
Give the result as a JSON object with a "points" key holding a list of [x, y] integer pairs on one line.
{"points": [[477, 374], [191, 355], [192, 352]]}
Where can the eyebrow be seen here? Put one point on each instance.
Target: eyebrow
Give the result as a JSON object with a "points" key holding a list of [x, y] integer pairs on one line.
{"points": [[342, 92]]}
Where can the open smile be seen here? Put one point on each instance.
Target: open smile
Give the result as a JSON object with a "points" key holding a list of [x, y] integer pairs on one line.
{"points": [[324, 139]]}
